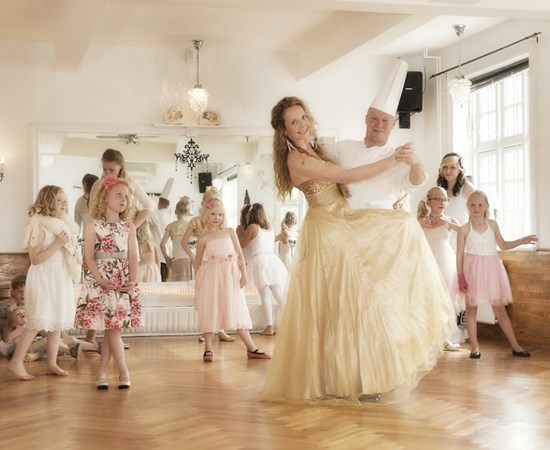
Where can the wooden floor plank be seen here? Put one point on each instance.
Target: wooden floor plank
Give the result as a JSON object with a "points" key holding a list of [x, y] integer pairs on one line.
{"points": [[178, 402]]}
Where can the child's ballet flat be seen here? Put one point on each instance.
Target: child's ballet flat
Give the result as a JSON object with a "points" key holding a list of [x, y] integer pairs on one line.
{"points": [[475, 355], [521, 354], [102, 383], [124, 382]]}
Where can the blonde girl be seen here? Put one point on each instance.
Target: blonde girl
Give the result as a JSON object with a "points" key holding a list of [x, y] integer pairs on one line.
{"points": [[195, 229], [149, 256], [179, 263], [482, 277], [52, 242], [221, 276], [109, 300]]}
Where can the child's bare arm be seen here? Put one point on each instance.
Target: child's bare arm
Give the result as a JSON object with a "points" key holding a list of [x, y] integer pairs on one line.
{"points": [[89, 257]]}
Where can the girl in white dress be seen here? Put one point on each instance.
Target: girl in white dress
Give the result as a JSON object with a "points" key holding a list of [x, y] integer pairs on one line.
{"points": [[52, 241], [287, 238], [437, 228], [268, 272]]}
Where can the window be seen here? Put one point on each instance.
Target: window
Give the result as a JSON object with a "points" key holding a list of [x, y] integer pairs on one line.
{"points": [[499, 145]]}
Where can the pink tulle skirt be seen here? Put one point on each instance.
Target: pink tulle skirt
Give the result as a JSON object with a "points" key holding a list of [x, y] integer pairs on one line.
{"points": [[487, 280]]}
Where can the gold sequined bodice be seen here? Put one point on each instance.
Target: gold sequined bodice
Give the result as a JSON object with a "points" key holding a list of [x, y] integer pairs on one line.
{"points": [[321, 193]]}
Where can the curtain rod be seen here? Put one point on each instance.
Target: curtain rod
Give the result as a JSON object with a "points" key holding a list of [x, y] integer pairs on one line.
{"points": [[534, 35]]}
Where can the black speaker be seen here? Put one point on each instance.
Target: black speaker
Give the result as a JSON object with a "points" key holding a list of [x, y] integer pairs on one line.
{"points": [[205, 180], [411, 97]]}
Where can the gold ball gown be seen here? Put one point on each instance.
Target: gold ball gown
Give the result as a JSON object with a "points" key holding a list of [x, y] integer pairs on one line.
{"points": [[367, 309]]}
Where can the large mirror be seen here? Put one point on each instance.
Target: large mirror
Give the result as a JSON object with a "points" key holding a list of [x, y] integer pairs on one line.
{"points": [[64, 154]]}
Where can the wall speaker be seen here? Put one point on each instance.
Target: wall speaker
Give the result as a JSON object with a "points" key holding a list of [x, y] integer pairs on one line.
{"points": [[411, 97], [205, 180]]}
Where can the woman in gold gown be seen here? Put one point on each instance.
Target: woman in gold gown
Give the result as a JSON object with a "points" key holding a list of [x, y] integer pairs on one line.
{"points": [[365, 315]]}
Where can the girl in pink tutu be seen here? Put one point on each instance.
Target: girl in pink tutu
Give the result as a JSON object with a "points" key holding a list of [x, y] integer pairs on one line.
{"points": [[219, 296], [482, 277]]}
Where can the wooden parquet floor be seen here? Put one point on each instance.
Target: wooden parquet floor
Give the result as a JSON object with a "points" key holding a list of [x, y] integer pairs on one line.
{"points": [[178, 402]]}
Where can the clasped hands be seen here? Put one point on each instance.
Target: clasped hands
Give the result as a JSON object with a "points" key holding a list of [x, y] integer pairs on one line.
{"points": [[108, 284], [406, 153]]}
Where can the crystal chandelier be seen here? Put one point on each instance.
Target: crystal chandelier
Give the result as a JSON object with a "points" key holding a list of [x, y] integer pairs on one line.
{"points": [[459, 87], [191, 156], [198, 96]]}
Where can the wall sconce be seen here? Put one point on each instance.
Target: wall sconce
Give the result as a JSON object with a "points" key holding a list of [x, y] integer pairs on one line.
{"points": [[459, 87], [198, 96], [2, 168]]}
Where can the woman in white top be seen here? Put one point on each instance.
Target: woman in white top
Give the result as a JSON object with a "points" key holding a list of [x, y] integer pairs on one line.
{"points": [[452, 178], [268, 272], [82, 207]]}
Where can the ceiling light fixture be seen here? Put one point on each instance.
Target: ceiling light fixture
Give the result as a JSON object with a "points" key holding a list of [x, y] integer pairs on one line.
{"points": [[191, 156], [459, 87], [198, 96]]}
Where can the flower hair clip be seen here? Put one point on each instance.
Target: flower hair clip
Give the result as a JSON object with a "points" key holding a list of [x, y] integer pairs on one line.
{"points": [[212, 203], [109, 181]]}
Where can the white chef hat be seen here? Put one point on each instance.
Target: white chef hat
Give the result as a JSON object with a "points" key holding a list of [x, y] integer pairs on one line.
{"points": [[389, 94], [167, 188]]}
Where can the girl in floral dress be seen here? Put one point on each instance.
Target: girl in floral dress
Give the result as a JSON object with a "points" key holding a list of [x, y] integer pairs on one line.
{"points": [[109, 300], [219, 296]]}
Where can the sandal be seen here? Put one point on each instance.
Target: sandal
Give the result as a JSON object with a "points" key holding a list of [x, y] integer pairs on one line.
{"points": [[208, 356], [73, 351], [257, 354]]}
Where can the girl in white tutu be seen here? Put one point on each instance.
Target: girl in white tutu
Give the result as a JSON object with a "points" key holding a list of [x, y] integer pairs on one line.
{"points": [[482, 276], [268, 271]]}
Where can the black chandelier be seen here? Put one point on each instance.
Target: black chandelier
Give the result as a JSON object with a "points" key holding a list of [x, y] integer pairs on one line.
{"points": [[191, 156]]}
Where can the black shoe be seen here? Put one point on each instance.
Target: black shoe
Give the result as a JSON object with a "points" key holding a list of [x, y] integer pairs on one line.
{"points": [[521, 354], [475, 355]]}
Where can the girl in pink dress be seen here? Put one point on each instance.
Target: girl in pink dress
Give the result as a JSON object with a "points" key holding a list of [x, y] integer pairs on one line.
{"points": [[109, 299], [481, 274], [219, 296]]}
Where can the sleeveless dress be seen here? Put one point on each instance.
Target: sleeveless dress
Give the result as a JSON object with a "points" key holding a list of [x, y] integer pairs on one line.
{"points": [[99, 308], [149, 268], [364, 311], [49, 292], [457, 208], [439, 241], [266, 268], [219, 300], [484, 271], [286, 251], [181, 264]]}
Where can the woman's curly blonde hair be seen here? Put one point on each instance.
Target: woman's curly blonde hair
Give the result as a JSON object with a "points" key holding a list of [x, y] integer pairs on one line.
{"points": [[282, 145], [98, 209]]}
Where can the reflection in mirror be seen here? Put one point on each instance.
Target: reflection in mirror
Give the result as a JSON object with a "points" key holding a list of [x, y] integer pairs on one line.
{"points": [[64, 155]]}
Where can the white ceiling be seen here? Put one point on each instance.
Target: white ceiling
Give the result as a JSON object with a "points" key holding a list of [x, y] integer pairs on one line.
{"points": [[328, 27]]}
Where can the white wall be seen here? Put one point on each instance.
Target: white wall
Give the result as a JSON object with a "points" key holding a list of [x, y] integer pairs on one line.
{"points": [[127, 87]]}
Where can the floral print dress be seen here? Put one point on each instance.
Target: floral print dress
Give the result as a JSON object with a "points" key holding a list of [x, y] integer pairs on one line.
{"points": [[108, 309]]}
